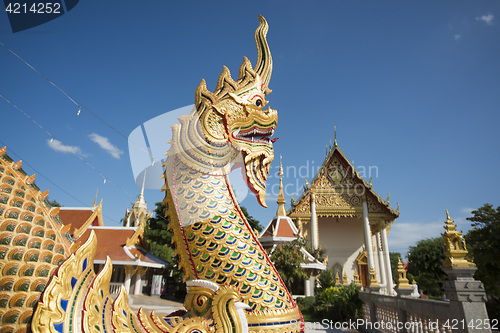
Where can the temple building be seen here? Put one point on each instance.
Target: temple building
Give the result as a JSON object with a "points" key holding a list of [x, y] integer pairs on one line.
{"points": [[342, 214], [133, 266], [139, 213], [281, 230]]}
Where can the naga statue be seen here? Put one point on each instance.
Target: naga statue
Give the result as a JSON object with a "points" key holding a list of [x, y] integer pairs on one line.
{"points": [[232, 286]]}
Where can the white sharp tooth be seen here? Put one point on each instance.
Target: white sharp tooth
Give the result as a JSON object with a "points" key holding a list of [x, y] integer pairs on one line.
{"points": [[237, 131]]}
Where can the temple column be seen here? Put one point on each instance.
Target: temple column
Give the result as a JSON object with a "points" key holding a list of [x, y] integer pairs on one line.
{"points": [[314, 222], [381, 261], [368, 237], [307, 287], [128, 276], [385, 248], [138, 281]]}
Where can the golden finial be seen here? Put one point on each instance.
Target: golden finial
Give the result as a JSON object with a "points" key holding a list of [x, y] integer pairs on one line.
{"points": [[280, 172], [455, 250], [307, 183], [281, 196], [370, 183], [335, 135], [388, 197], [330, 143], [402, 280], [95, 199], [293, 200], [17, 165], [356, 280], [373, 278], [344, 279], [398, 209]]}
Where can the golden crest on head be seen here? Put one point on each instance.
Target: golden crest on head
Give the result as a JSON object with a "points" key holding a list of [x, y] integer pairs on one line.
{"points": [[234, 114]]}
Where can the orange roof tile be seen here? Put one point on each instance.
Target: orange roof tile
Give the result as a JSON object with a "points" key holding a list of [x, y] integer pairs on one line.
{"points": [[284, 228], [110, 242], [76, 217]]}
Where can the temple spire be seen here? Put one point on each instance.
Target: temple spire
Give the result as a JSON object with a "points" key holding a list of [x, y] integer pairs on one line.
{"points": [[140, 200], [335, 136], [95, 199], [281, 196]]}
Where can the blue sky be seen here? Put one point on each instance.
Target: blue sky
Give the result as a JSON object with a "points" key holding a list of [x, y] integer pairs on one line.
{"points": [[412, 86]]}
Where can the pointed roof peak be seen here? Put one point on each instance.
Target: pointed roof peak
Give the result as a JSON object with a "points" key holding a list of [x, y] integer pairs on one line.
{"points": [[335, 136], [140, 202], [281, 196]]}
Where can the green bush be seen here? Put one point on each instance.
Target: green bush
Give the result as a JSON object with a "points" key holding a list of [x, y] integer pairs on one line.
{"points": [[306, 304], [326, 280], [339, 303]]}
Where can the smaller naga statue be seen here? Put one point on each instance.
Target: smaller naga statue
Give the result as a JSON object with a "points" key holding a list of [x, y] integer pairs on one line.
{"points": [[232, 285]]}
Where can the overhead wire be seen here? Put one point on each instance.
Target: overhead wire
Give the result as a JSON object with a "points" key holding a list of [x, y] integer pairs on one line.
{"points": [[11, 152], [52, 137], [80, 106]]}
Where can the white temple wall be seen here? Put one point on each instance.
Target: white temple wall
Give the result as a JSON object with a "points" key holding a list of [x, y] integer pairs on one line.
{"points": [[342, 241]]}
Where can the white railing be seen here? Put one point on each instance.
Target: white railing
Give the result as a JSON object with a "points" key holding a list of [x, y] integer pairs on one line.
{"points": [[114, 287], [390, 314]]}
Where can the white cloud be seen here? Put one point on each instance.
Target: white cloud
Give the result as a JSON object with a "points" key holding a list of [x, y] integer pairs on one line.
{"points": [[488, 19], [467, 211], [60, 147], [457, 37], [104, 143], [405, 234]]}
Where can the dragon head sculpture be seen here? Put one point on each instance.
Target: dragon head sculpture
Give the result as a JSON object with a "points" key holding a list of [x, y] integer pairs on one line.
{"points": [[235, 114]]}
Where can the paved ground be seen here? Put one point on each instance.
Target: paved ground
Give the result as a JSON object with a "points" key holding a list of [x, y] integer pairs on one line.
{"points": [[163, 307], [160, 306]]}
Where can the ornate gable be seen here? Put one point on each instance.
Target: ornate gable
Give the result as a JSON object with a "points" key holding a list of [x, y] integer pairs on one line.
{"points": [[339, 190]]}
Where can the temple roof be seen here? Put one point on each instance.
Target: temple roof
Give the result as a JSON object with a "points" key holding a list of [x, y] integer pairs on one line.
{"points": [[112, 242], [280, 229], [122, 244], [80, 218], [340, 189]]}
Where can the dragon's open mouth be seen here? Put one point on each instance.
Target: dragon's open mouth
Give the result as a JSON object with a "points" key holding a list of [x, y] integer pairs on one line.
{"points": [[255, 134]]}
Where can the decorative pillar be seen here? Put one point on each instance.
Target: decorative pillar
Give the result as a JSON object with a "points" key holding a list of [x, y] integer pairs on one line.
{"points": [[307, 287], [466, 294], [344, 279], [368, 238], [381, 262], [403, 288], [312, 285], [138, 280], [128, 275], [388, 271], [314, 222]]}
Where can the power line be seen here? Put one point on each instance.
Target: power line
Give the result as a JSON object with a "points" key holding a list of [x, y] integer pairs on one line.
{"points": [[80, 106], [12, 152], [27, 115], [79, 156]]}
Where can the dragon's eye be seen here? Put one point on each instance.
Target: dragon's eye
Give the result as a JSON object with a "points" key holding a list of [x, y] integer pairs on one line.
{"points": [[258, 103]]}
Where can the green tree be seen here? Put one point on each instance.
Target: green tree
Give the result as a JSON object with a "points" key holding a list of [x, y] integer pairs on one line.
{"points": [[287, 259], [157, 235], [325, 280], [394, 259], [425, 261], [255, 224], [159, 239], [482, 243], [54, 203]]}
